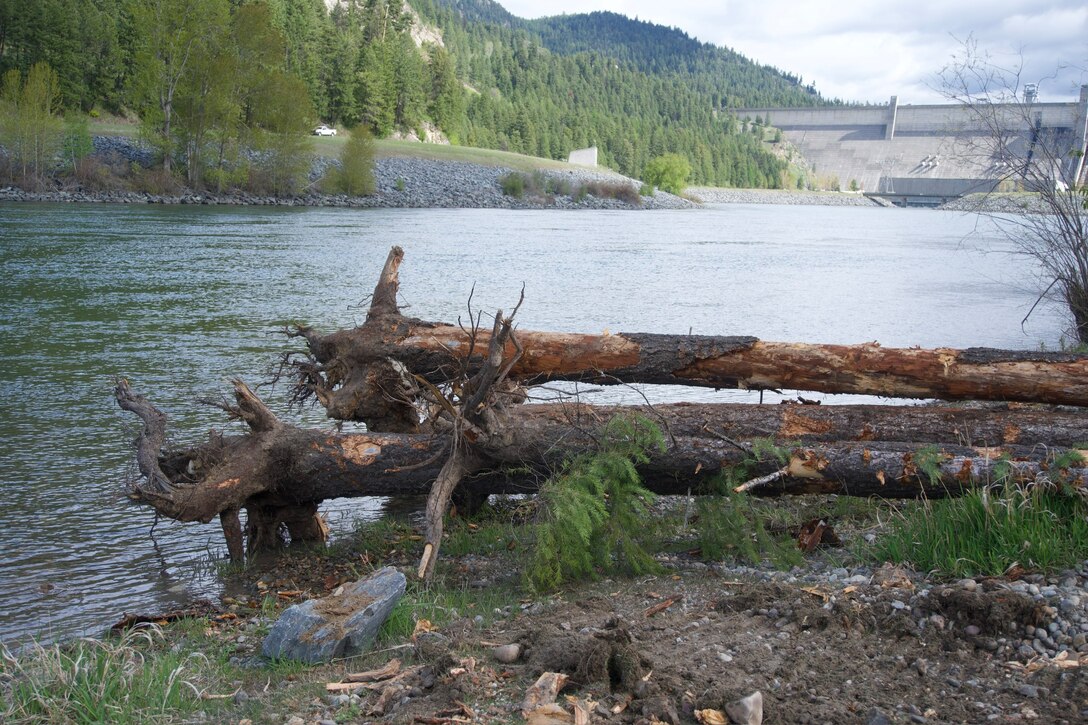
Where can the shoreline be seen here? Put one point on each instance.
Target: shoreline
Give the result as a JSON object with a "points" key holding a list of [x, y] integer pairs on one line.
{"points": [[717, 195], [401, 182]]}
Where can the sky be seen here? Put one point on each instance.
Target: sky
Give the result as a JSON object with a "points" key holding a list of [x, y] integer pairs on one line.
{"points": [[869, 50]]}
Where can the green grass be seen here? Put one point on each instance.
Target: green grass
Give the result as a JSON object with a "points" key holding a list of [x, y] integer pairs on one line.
{"points": [[128, 680], [985, 532], [440, 605]]}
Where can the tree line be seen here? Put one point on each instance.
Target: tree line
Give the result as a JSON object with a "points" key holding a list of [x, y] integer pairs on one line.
{"points": [[229, 88]]}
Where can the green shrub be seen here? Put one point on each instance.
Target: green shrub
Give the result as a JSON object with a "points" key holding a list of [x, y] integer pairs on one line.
{"points": [[731, 527], [77, 144], [356, 174], [668, 172], [513, 184], [591, 513]]}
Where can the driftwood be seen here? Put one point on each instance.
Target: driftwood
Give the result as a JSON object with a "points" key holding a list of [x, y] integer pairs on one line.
{"points": [[444, 415], [365, 373], [279, 472]]}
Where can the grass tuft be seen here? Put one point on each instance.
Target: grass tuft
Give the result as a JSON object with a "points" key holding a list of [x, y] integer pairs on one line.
{"points": [[988, 531], [92, 681]]}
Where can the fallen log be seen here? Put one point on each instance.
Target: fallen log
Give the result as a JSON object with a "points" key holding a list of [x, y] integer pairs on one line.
{"points": [[280, 473], [367, 373]]}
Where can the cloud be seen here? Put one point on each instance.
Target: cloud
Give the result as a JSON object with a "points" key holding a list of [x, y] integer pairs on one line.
{"points": [[864, 51]]}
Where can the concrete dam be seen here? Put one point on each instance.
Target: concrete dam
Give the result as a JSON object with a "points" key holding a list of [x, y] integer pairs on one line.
{"points": [[926, 154]]}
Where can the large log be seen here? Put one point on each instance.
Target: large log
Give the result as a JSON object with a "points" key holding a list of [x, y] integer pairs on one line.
{"points": [[279, 472], [365, 373]]}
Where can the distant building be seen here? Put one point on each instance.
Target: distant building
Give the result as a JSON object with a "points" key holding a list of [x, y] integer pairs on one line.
{"points": [[583, 157]]}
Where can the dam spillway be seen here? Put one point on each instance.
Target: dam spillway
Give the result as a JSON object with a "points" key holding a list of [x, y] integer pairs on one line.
{"points": [[926, 154]]}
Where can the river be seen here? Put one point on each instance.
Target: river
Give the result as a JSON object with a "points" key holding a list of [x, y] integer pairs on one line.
{"points": [[181, 299]]}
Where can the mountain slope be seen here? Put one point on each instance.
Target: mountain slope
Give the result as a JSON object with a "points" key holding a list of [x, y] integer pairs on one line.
{"points": [[633, 89]]}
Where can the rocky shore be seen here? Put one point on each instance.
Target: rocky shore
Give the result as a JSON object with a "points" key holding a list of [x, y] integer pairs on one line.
{"points": [[711, 195], [402, 182]]}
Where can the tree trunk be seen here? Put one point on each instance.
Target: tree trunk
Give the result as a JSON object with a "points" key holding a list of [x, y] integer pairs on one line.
{"points": [[352, 372], [278, 472]]}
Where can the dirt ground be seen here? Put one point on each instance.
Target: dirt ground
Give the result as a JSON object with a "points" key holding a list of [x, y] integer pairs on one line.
{"points": [[848, 663], [660, 648]]}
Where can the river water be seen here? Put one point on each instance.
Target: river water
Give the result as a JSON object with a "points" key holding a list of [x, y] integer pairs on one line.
{"points": [[181, 299]]}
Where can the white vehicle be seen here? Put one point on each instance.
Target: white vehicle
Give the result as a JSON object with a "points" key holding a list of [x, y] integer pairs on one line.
{"points": [[324, 130]]}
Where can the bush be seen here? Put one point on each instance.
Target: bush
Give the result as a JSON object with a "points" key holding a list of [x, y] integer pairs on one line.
{"points": [[513, 184], [613, 190], [356, 174], [155, 181], [668, 172], [77, 144], [592, 511]]}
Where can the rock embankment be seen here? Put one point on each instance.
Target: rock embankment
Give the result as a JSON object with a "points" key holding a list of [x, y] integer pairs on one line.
{"points": [[401, 182], [713, 195], [997, 203]]}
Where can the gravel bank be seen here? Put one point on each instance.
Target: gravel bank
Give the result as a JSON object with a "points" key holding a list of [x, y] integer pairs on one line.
{"points": [[401, 182], [996, 204], [712, 195]]}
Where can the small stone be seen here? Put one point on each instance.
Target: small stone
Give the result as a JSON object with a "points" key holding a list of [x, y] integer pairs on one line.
{"points": [[1027, 690], [725, 657], [971, 630], [507, 653], [747, 710], [876, 717], [295, 720]]}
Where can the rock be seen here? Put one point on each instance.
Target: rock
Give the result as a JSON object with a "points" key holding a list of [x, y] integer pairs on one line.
{"points": [[507, 653], [971, 630], [1027, 690], [341, 625], [296, 720], [876, 717], [747, 710]]}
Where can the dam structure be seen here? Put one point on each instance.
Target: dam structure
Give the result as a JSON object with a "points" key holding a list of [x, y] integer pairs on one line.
{"points": [[924, 155]]}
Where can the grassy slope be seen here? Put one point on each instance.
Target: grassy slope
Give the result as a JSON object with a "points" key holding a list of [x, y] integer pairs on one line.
{"points": [[385, 148]]}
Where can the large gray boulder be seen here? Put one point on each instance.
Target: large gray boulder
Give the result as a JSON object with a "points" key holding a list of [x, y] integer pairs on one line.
{"points": [[343, 624]]}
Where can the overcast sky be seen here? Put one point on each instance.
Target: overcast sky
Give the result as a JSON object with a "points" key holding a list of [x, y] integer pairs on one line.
{"points": [[866, 50]]}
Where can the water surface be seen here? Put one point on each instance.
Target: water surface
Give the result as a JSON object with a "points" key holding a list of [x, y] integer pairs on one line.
{"points": [[181, 299]]}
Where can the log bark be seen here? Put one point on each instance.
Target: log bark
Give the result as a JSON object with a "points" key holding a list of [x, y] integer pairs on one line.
{"points": [[279, 472], [358, 374]]}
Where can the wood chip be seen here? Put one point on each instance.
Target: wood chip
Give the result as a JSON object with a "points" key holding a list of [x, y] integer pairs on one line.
{"points": [[662, 606], [543, 691], [710, 717], [391, 668]]}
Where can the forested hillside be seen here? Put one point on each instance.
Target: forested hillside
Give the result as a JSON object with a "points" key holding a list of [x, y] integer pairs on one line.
{"points": [[210, 75]]}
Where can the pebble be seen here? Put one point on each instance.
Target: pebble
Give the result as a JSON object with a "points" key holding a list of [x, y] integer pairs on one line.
{"points": [[971, 630], [1027, 690], [507, 653]]}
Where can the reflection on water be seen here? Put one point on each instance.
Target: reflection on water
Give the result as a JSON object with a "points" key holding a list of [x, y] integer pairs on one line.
{"points": [[181, 299]]}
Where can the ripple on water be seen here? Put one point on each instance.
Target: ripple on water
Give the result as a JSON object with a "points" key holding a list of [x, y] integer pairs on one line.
{"points": [[182, 299]]}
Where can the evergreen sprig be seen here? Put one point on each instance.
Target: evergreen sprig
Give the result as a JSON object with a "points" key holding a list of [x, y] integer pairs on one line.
{"points": [[591, 511]]}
